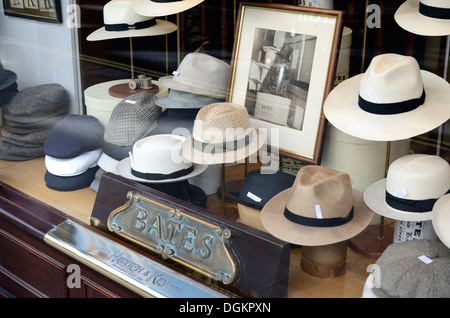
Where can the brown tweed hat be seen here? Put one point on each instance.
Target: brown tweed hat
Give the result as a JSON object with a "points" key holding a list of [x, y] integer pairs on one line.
{"points": [[321, 208]]}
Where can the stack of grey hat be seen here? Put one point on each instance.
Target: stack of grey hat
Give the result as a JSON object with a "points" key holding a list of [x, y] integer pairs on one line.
{"points": [[31, 115], [8, 88]]}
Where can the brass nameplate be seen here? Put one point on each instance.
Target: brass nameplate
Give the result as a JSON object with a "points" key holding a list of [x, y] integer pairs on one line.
{"points": [[193, 242]]}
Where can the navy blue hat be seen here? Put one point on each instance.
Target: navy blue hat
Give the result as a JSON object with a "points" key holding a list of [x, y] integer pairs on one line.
{"points": [[260, 186], [71, 183], [74, 135]]}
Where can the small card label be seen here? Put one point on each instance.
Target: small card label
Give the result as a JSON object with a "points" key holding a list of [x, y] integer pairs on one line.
{"points": [[425, 259], [129, 101], [318, 211], [372, 96], [400, 193], [253, 197]]}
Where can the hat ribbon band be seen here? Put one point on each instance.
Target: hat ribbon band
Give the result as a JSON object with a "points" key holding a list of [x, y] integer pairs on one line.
{"points": [[434, 12], [218, 148], [125, 26], [391, 108], [327, 222], [162, 176], [408, 205]]}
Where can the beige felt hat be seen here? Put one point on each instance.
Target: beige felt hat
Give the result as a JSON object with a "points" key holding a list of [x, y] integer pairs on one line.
{"points": [[157, 8], [122, 22], [392, 100], [321, 208], [441, 219], [222, 133], [410, 189], [424, 17]]}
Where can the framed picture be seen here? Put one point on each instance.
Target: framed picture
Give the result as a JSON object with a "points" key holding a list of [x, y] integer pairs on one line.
{"points": [[282, 68], [43, 10]]}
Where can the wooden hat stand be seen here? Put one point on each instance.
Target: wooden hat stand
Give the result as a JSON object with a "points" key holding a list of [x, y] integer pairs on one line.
{"points": [[325, 261]]}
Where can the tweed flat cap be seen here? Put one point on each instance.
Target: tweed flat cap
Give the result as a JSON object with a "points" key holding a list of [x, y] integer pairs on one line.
{"points": [[9, 151], [27, 119], [133, 118], [405, 270], [41, 100], [33, 138], [73, 136]]}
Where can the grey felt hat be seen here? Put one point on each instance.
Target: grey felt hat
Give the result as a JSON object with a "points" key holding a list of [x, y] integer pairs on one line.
{"points": [[39, 101], [33, 138], [27, 119], [7, 77], [414, 269], [131, 119]]}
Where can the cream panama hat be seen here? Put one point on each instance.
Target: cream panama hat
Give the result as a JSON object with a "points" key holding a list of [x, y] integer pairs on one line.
{"points": [[441, 219], [392, 100], [222, 133], [320, 208], [157, 8], [122, 22], [424, 17], [411, 188], [157, 159]]}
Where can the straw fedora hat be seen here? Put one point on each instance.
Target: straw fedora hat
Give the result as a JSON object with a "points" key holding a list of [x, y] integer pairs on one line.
{"points": [[157, 159], [122, 22], [424, 17], [392, 100], [410, 189], [441, 219], [321, 208], [222, 133], [199, 73], [157, 8]]}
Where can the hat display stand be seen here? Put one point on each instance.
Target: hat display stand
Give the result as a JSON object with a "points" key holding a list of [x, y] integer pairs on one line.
{"points": [[325, 261]]}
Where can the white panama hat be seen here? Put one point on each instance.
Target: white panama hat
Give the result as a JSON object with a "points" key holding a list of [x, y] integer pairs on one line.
{"points": [[392, 100], [441, 219], [411, 188], [424, 17], [122, 22], [157, 8]]}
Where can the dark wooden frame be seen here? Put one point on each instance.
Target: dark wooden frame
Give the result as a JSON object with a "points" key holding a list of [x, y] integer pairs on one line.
{"points": [[236, 65], [53, 16]]}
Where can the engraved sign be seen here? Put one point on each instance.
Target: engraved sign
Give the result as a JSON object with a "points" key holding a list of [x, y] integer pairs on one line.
{"points": [[190, 241]]}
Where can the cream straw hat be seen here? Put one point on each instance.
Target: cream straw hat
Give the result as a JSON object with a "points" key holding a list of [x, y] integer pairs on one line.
{"points": [[157, 8]]}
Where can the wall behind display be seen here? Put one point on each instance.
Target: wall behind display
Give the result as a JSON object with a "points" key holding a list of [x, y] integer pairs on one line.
{"points": [[41, 53]]}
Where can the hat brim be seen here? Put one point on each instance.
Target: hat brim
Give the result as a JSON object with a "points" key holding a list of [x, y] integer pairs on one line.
{"points": [[342, 111], [172, 83], [11, 77], [375, 198], [441, 219], [408, 17], [195, 102], [123, 168], [273, 219], [199, 157], [235, 196], [157, 9], [161, 27]]}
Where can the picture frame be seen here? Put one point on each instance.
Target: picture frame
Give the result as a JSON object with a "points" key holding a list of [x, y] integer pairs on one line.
{"points": [[286, 105], [42, 10]]}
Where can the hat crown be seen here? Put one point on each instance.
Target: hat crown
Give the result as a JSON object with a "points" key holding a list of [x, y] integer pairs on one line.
{"points": [[391, 78], [121, 11], [418, 177], [159, 154], [437, 3], [220, 122], [318, 187]]}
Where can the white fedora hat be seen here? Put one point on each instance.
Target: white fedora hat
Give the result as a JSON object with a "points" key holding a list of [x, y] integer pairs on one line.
{"points": [[222, 133], [200, 73], [424, 17], [157, 8], [122, 22], [320, 208], [157, 159], [68, 167], [441, 219], [392, 100], [411, 188]]}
